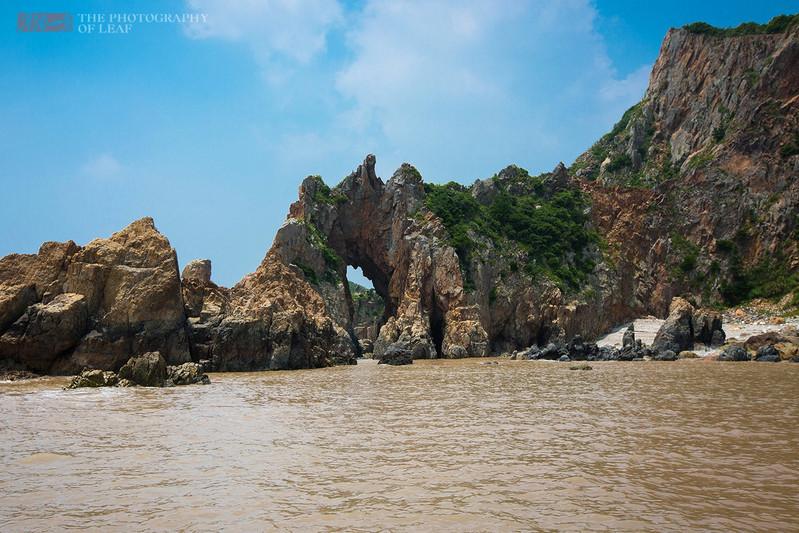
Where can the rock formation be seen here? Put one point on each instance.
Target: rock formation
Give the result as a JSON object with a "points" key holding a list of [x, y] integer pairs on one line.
{"points": [[69, 307], [147, 370], [693, 193], [686, 326]]}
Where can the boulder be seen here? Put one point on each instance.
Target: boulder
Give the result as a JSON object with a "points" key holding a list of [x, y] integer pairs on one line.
{"points": [[629, 336], [198, 270], [580, 350], [396, 354], [148, 370], [718, 339], [665, 355], [787, 350], [554, 351], [676, 333], [94, 378], [734, 353], [531, 353], [607, 353], [186, 374], [768, 354], [755, 342], [367, 346], [707, 329]]}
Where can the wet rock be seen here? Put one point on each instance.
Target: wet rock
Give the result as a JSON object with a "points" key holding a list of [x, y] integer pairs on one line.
{"points": [[367, 346], [458, 352], [718, 339], [564, 359], [17, 375], [666, 355], [554, 351], [148, 370], [608, 353], [186, 374], [94, 378], [768, 354], [734, 353], [396, 354], [580, 350], [532, 353]]}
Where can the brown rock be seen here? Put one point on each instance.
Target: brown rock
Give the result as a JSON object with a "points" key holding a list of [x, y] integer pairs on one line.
{"points": [[45, 332], [198, 270], [148, 370], [787, 350]]}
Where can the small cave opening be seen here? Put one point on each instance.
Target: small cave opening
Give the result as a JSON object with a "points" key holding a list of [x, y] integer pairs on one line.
{"points": [[437, 328]]}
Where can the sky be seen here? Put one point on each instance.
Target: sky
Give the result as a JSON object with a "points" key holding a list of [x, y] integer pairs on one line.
{"points": [[209, 127]]}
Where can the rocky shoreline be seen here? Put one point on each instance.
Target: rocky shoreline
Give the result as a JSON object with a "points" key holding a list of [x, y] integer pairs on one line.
{"points": [[759, 335]]}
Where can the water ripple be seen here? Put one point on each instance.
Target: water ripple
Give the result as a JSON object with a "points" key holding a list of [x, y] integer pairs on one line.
{"points": [[439, 445]]}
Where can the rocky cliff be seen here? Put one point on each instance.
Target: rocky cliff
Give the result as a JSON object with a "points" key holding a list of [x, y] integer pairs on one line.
{"points": [[693, 193], [69, 307], [695, 189]]}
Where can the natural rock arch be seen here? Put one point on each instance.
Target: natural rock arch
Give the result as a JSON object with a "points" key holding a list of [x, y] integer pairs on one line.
{"points": [[384, 229]]}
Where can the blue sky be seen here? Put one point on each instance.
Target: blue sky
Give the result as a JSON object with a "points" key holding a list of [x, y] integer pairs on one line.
{"points": [[210, 128]]}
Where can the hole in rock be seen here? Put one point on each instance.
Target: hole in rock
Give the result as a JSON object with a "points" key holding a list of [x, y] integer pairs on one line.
{"points": [[368, 307]]}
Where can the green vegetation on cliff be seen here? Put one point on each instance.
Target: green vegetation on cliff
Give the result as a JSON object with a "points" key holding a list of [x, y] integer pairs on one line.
{"points": [[778, 24], [323, 193], [553, 232]]}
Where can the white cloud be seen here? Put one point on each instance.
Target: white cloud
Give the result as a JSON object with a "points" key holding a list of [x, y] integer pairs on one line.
{"points": [[458, 88], [628, 89], [293, 29], [103, 166], [476, 80]]}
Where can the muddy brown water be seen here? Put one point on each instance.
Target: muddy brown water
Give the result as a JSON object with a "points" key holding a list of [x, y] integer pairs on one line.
{"points": [[436, 446]]}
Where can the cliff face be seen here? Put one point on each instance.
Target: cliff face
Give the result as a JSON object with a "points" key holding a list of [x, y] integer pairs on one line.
{"points": [[710, 155], [694, 193]]}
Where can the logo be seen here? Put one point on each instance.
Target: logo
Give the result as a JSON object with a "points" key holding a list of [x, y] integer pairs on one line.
{"points": [[34, 22]]}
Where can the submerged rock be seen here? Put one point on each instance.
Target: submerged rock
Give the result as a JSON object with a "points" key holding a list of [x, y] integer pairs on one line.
{"points": [[94, 378], [186, 374], [396, 354], [768, 354], [735, 353], [148, 370], [666, 355]]}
